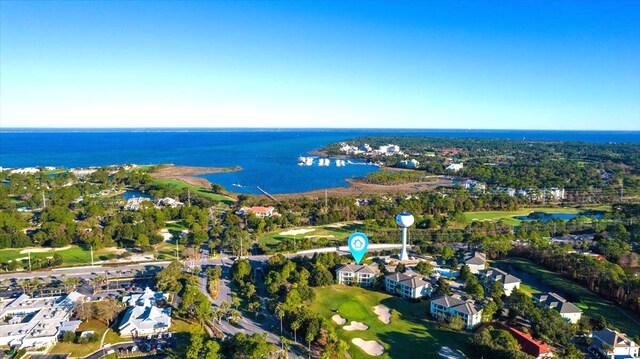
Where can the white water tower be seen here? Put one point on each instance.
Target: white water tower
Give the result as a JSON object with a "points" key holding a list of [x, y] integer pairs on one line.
{"points": [[404, 220]]}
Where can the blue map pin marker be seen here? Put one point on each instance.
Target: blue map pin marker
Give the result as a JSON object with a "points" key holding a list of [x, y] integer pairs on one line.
{"points": [[358, 244]]}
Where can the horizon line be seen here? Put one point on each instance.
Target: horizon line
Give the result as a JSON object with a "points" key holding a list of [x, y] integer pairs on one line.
{"points": [[408, 129]]}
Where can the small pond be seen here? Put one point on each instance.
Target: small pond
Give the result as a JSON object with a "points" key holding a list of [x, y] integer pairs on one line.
{"points": [[543, 216], [131, 194]]}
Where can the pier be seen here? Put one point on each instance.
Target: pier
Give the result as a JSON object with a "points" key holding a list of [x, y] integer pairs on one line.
{"points": [[267, 194]]}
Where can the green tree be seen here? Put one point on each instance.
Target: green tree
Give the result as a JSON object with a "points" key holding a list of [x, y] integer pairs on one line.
{"points": [[196, 341], [240, 271], [320, 276], [447, 252], [465, 273], [425, 268]]}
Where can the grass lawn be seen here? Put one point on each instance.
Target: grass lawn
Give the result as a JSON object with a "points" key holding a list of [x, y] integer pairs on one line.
{"points": [[507, 215], [195, 190], [408, 334], [180, 330], [589, 302], [167, 250], [74, 255], [81, 350], [324, 235]]}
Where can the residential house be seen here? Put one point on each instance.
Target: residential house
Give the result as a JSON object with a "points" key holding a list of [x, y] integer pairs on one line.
{"points": [[258, 211], [169, 202], [407, 286], [447, 306], [614, 345], [509, 282], [474, 185], [556, 193], [476, 262], [511, 192], [536, 348], [554, 301], [361, 275], [135, 203], [37, 322], [144, 317], [412, 163], [455, 167], [364, 147]]}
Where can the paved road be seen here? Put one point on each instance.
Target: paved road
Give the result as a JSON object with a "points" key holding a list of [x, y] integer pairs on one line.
{"points": [[246, 325], [150, 268]]}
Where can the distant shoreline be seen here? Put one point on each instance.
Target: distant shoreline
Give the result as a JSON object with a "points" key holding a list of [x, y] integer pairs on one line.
{"points": [[187, 174]]}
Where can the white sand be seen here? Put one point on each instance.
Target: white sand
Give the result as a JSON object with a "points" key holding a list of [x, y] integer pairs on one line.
{"points": [[295, 232], [318, 237], [43, 250], [166, 234], [343, 224], [338, 319], [370, 347], [355, 326], [383, 312]]}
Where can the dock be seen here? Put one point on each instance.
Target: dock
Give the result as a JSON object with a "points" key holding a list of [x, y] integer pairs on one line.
{"points": [[267, 194]]}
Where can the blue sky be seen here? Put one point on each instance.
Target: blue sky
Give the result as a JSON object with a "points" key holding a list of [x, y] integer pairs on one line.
{"points": [[430, 64]]}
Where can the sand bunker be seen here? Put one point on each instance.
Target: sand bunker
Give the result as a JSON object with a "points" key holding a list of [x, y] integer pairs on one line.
{"points": [[166, 235], [295, 232], [355, 326], [43, 250], [370, 347], [338, 319], [319, 236], [383, 312]]}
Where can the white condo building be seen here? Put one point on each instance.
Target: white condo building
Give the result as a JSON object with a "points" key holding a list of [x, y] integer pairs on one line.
{"points": [[143, 317], [476, 262], [27, 322], [614, 345], [567, 310], [449, 306], [356, 274], [509, 282], [407, 286]]}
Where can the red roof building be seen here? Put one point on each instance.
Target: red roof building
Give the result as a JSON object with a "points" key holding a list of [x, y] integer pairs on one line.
{"points": [[535, 348], [260, 211]]}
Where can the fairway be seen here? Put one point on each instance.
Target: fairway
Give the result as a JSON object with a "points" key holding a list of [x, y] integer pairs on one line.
{"points": [[177, 184], [74, 255], [322, 236], [507, 215], [589, 302], [408, 333]]}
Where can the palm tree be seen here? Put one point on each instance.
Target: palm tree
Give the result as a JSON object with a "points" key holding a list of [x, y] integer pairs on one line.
{"points": [[236, 301], [295, 326], [255, 308], [285, 344], [217, 314], [280, 313], [309, 338], [234, 316], [224, 306]]}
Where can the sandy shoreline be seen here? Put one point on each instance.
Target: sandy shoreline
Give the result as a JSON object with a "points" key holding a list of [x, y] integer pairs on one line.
{"points": [[187, 173], [358, 188]]}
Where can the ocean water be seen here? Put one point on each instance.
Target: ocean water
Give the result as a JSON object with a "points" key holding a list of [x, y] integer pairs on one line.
{"points": [[268, 157]]}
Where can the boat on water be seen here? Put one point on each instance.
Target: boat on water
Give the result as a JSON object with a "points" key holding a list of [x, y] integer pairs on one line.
{"points": [[340, 163], [324, 162], [305, 161]]}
